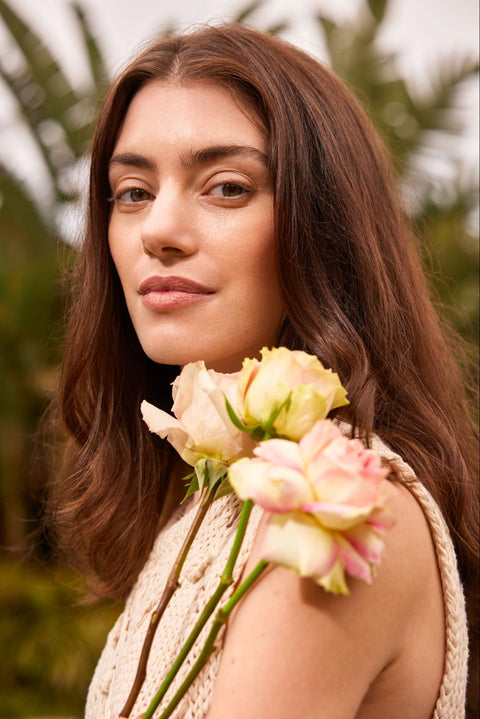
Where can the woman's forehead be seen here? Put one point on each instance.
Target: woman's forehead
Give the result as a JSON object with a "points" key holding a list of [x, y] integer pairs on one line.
{"points": [[202, 112]]}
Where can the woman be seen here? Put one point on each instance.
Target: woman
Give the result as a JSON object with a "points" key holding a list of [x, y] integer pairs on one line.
{"points": [[240, 198]]}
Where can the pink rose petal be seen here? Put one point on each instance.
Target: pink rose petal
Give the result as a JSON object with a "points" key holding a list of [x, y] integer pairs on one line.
{"points": [[274, 487], [339, 517], [281, 452], [354, 563]]}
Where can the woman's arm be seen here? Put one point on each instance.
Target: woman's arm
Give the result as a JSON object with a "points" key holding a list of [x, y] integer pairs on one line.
{"points": [[293, 650]]}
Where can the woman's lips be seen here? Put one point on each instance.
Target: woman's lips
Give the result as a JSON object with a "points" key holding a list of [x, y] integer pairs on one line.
{"points": [[164, 293]]}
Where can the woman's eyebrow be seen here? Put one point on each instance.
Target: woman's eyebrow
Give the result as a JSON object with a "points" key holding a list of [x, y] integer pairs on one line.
{"points": [[132, 159], [217, 152], [192, 158]]}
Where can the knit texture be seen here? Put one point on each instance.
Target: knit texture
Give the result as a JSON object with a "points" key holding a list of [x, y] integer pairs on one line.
{"points": [[205, 562], [451, 699], [117, 666]]}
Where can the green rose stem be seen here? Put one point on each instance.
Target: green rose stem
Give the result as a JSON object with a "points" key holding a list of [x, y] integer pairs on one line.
{"points": [[225, 581], [220, 619], [206, 498]]}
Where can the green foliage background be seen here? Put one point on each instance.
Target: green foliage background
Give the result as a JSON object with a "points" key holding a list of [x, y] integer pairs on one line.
{"points": [[53, 641]]}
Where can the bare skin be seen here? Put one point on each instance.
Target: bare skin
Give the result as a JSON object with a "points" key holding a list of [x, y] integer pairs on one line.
{"points": [[292, 650]]}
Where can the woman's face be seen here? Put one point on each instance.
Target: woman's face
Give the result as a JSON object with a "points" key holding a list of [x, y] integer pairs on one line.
{"points": [[192, 229]]}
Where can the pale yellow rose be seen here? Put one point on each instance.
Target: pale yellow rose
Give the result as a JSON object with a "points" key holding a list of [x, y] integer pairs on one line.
{"points": [[201, 426], [291, 383]]}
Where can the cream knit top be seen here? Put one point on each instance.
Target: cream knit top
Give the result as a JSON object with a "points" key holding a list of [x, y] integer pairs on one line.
{"points": [[117, 666]]}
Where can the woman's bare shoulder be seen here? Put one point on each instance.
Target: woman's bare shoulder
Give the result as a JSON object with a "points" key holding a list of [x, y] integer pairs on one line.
{"points": [[291, 647]]}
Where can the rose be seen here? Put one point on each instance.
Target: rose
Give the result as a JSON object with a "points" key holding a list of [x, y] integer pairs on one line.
{"points": [[201, 427], [288, 391], [326, 498]]}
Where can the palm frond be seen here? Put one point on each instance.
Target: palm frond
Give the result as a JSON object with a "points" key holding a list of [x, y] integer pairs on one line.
{"points": [[278, 28], [25, 230], [45, 91], [436, 111], [95, 56], [28, 106], [247, 11]]}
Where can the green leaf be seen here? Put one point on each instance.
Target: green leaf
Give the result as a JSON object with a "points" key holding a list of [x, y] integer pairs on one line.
{"points": [[233, 416], [210, 472], [267, 426], [192, 486]]}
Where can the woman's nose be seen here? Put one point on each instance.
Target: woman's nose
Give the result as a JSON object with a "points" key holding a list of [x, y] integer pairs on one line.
{"points": [[168, 228]]}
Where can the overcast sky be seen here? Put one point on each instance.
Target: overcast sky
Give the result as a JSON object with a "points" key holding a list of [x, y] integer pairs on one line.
{"points": [[421, 32]]}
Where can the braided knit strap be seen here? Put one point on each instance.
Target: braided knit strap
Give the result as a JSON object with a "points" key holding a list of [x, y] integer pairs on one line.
{"points": [[451, 698]]}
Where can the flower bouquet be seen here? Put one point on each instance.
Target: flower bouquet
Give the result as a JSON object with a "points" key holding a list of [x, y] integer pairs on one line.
{"points": [[264, 434]]}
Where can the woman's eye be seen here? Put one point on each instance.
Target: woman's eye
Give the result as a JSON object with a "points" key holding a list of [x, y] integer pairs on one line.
{"points": [[135, 194], [229, 189]]}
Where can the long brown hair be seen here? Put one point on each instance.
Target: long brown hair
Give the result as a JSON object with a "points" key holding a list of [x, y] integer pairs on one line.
{"points": [[355, 293]]}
